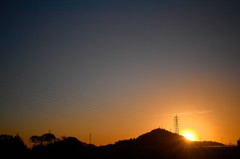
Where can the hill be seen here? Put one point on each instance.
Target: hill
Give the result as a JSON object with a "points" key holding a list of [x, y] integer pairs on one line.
{"points": [[158, 143], [156, 138], [206, 143]]}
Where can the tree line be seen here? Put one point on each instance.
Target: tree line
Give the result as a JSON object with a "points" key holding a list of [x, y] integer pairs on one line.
{"points": [[158, 143]]}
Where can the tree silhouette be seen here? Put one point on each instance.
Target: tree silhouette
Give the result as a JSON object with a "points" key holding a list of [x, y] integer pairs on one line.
{"points": [[48, 138], [158, 143], [34, 139], [45, 139], [12, 146]]}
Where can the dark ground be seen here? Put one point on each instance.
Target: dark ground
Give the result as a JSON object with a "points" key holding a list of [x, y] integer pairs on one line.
{"points": [[158, 143]]}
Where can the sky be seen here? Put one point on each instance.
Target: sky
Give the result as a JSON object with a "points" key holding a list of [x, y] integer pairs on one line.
{"points": [[118, 69]]}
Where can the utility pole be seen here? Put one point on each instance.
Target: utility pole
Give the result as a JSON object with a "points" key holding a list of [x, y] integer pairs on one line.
{"points": [[176, 124], [90, 138]]}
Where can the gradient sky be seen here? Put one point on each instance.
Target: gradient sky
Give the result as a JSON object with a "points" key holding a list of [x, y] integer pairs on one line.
{"points": [[121, 68]]}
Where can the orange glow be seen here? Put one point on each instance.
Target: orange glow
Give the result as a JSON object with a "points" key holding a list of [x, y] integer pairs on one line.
{"points": [[189, 134]]}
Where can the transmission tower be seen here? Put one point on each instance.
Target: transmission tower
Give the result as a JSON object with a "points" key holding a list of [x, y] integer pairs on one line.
{"points": [[176, 124]]}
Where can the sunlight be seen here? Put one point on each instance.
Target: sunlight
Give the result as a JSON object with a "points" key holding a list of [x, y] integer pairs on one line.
{"points": [[189, 135]]}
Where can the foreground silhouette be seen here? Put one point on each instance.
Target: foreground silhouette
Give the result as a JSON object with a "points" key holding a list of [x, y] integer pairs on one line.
{"points": [[158, 143], [12, 146]]}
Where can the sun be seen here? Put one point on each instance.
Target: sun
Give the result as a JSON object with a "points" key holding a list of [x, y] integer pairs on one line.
{"points": [[189, 135]]}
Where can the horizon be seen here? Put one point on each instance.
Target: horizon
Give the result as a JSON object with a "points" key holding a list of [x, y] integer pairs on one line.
{"points": [[31, 145], [195, 139], [117, 69]]}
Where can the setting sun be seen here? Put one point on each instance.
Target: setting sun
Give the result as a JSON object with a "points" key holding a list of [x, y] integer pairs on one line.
{"points": [[189, 135]]}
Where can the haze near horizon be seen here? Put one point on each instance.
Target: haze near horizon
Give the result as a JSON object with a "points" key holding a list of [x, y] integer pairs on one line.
{"points": [[118, 69]]}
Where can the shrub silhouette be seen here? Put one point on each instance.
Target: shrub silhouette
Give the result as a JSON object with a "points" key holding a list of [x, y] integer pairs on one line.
{"points": [[45, 139], [35, 139], [48, 138], [12, 146], [48, 146]]}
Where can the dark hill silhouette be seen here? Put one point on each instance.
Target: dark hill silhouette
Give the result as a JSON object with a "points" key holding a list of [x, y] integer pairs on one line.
{"points": [[158, 143], [66, 147], [156, 138], [160, 137], [206, 143]]}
